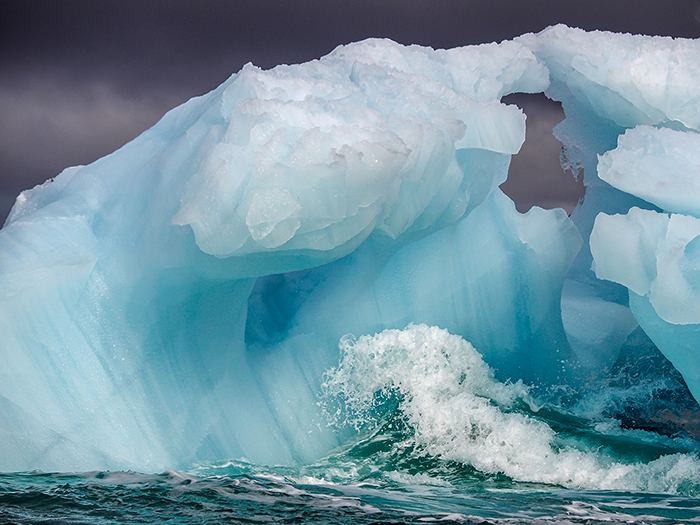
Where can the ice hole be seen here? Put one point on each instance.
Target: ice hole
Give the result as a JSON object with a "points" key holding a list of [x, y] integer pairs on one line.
{"points": [[535, 177]]}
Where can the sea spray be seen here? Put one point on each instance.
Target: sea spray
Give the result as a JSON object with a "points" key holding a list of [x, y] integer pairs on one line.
{"points": [[459, 412]]}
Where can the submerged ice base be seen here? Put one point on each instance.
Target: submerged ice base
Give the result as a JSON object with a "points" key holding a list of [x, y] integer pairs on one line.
{"points": [[181, 299]]}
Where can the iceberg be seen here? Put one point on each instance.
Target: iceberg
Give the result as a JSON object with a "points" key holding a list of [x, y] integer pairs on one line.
{"points": [[182, 299]]}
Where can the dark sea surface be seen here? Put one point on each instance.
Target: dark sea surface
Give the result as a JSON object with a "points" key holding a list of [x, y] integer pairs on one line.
{"points": [[274, 497], [382, 477], [123, 497]]}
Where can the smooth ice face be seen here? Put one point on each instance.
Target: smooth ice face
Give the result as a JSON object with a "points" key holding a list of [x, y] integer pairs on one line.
{"points": [[495, 277], [659, 165], [678, 342], [653, 254]]}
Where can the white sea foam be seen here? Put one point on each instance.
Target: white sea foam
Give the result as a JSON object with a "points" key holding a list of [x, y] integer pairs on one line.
{"points": [[460, 412]]}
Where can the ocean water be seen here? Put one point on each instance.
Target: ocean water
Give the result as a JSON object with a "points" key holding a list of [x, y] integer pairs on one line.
{"points": [[380, 478], [438, 438]]}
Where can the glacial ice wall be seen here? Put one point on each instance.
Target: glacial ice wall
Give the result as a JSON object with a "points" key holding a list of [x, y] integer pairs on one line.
{"points": [[181, 299]]}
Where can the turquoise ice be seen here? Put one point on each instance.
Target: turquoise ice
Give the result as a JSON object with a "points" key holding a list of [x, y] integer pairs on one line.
{"points": [[181, 299]]}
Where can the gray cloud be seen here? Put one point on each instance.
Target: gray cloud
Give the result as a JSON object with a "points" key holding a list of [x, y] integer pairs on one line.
{"points": [[50, 122], [79, 78], [66, 121]]}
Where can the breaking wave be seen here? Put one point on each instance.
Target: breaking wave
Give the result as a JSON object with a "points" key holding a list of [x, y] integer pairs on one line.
{"points": [[439, 387]]}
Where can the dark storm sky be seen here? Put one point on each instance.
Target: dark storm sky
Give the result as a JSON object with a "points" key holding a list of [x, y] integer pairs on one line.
{"points": [[80, 78]]}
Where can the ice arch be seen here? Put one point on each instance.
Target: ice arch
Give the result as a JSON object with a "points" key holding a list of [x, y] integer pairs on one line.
{"points": [[181, 298]]}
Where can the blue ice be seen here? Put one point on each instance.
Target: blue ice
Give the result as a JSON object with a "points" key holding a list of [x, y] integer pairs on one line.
{"points": [[181, 299]]}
